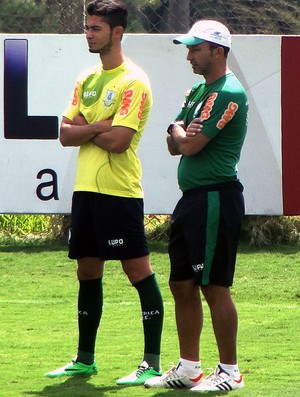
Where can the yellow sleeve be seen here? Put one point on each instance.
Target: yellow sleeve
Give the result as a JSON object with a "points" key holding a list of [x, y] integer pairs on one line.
{"points": [[135, 105], [74, 105]]}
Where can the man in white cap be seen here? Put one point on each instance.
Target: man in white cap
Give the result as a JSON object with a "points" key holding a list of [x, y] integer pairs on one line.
{"points": [[208, 134]]}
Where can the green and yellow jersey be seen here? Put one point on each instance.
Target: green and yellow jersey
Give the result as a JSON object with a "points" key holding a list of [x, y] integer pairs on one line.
{"points": [[124, 96], [222, 107]]}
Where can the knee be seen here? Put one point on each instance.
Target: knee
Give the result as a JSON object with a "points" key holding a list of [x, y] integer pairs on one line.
{"points": [[87, 274], [216, 295], [89, 269], [137, 269], [184, 291]]}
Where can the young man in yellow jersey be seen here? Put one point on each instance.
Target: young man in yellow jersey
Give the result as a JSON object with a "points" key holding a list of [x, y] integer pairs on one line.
{"points": [[106, 119]]}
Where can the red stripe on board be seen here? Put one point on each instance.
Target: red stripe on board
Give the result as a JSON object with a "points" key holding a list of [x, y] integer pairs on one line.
{"points": [[290, 111]]}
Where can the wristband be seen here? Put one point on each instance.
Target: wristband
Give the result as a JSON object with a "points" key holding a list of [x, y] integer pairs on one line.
{"points": [[170, 128]]}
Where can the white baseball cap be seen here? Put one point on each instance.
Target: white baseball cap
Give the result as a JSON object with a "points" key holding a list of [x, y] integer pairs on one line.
{"points": [[206, 30]]}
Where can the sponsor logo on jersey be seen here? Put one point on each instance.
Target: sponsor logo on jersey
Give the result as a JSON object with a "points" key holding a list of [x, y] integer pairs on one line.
{"points": [[75, 96], [126, 102], [227, 115], [190, 104], [110, 94], [89, 94], [142, 105], [205, 114]]}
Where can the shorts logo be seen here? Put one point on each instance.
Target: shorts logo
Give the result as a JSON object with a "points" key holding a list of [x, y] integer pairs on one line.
{"points": [[116, 243], [109, 98], [198, 268]]}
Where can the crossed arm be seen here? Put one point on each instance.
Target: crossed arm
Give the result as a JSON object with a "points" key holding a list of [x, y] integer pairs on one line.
{"points": [[187, 140], [77, 132]]}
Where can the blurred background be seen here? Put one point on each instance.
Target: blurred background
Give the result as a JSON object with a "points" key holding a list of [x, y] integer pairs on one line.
{"points": [[155, 16]]}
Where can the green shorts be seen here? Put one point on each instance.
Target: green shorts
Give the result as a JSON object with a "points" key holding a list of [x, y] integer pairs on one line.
{"points": [[205, 231]]}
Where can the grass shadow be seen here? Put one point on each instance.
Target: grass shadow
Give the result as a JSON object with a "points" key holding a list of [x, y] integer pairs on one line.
{"points": [[179, 393], [79, 387], [34, 246], [37, 246], [286, 249], [74, 386]]}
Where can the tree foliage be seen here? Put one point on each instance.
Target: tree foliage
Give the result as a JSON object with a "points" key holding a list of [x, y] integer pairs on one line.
{"points": [[154, 16]]}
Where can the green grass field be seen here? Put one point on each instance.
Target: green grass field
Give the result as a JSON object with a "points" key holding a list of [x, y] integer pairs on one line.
{"points": [[38, 332]]}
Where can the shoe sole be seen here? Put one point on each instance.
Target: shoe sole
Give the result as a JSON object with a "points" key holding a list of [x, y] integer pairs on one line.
{"points": [[70, 373], [135, 383]]}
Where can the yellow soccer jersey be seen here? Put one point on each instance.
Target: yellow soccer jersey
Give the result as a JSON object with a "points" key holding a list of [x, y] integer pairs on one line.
{"points": [[123, 95]]}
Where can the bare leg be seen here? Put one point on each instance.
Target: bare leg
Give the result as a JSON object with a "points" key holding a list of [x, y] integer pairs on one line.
{"points": [[89, 268], [189, 317], [225, 321], [137, 269]]}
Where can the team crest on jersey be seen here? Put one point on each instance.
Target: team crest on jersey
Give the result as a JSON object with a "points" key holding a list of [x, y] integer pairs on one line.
{"points": [[110, 94]]}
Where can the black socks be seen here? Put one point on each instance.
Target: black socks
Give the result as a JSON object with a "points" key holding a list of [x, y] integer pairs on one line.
{"points": [[90, 302], [152, 316]]}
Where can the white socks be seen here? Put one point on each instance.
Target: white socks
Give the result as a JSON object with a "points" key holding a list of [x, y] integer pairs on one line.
{"points": [[231, 370], [193, 368], [190, 368]]}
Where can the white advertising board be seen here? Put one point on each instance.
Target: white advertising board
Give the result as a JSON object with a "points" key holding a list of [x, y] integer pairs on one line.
{"points": [[37, 174]]}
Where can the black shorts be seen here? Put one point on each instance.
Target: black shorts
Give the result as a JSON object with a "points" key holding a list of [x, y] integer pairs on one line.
{"points": [[205, 231], [107, 227]]}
